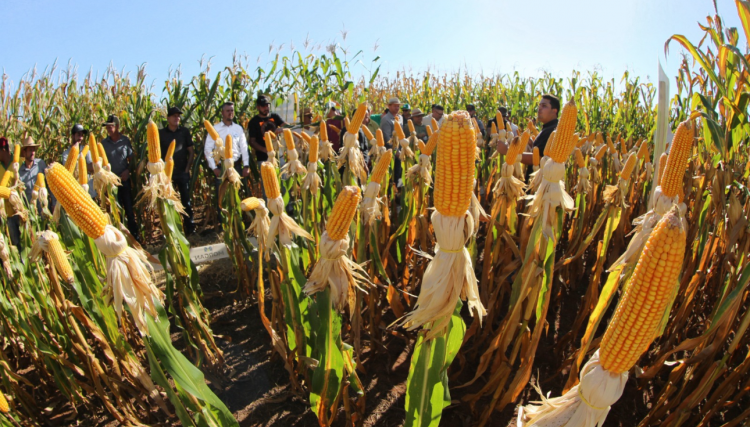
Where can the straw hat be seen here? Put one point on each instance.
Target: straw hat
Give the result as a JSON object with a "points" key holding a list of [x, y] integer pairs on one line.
{"points": [[28, 142]]}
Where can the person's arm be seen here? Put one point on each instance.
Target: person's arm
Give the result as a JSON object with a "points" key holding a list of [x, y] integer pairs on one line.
{"points": [[244, 153], [208, 149]]}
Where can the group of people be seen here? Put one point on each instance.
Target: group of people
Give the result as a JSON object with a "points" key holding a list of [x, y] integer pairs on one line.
{"points": [[119, 149]]}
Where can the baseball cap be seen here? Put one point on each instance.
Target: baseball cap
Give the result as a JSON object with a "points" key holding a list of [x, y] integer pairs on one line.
{"points": [[406, 107], [173, 110], [470, 107], [262, 100], [78, 128], [112, 120]]}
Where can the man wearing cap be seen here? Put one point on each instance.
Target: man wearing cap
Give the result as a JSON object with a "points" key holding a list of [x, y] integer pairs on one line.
{"points": [[255, 127], [77, 134], [183, 161], [419, 127], [406, 112], [437, 114], [473, 114], [119, 151]]}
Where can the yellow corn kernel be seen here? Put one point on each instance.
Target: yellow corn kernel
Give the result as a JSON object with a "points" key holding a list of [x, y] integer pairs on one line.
{"points": [[83, 177], [493, 129], [343, 212], [642, 305], [367, 133], [420, 146], [679, 153], [169, 168], [435, 126], [103, 154], [170, 150], [643, 152], [611, 145], [623, 147], [454, 177], [378, 172], [270, 180], [357, 119], [500, 120], [508, 128], [84, 152], [398, 131], [250, 204], [532, 128], [411, 127], [535, 156], [60, 260], [72, 161], [565, 140], [550, 142], [16, 153], [39, 182], [429, 148], [514, 149], [627, 170], [211, 131], [428, 128], [4, 408], [94, 148], [323, 131], [581, 141], [580, 162], [4, 193], [268, 138], [154, 146], [304, 136], [289, 139], [663, 165], [600, 153], [335, 129], [347, 124], [312, 153], [77, 203], [475, 124], [6, 178], [379, 138], [228, 147]]}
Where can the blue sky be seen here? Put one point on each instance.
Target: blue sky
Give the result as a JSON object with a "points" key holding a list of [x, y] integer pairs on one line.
{"points": [[481, 36]]}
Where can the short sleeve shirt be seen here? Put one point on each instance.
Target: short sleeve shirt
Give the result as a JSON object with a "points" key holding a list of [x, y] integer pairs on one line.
{"points": [[118, 153], [28, 175], [182, 141], [255, 130]]}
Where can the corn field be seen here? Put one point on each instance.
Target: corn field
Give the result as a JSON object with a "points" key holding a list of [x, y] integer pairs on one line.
{"points": [[619, 270]]}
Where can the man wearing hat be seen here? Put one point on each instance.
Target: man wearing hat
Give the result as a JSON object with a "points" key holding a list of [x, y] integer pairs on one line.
{"points": [[119, 151], [406, 112], [30, 165], [473, 114], [77, 134], [419, 128], [255, 127], [183, 161]]}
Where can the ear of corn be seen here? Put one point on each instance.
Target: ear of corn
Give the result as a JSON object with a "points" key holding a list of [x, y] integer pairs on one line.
{"points": [[4, 193], [94, 148], [367, 133], [72, 161], [270, 180], [679, 153], [4, 408], [454, 176], [312, 154], [411, 127], [16, 153], [379, 138], [663, 165], [420, 146], [228, 147], [249, 204], [154, 146], [39, 182], [493, 128], [435, 126], [580, 162], [211, 131], [535, 156], [643, 152], [600, 153], [323, 131], [6, 178], [288, 139], [398, 130], [77, 203], [268, 138], [357, 119], [60, 259], [643, 302], [627, 170], [103, 154], [170, 150], [347, 124], [380, 169], [84, 152], [429, 148], [83, 177], [508, 128], [500, 120], [305, 136], [428, 128], [169, 168], [565, 140], [343, 212], [516, 147]]}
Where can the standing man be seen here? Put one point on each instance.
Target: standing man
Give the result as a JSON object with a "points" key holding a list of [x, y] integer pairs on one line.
{"points": [[255, 127], [77, 134], [119, 152], [546, 113], [30, 166], [387, 125], [240, 155], [183, 161], [419, 127], [406, 112], [473, 114]]}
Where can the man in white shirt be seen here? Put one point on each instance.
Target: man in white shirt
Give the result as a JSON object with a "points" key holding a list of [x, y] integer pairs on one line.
{"points": [[227, 126], [437, 114]]}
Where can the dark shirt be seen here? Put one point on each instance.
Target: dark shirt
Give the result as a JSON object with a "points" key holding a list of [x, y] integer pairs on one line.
{"points": [[480, 124], [333, 136], [541, 139], [255, 130], [182, 140], [118, 152]]}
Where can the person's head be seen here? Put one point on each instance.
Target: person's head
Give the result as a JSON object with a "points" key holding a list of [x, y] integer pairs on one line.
{"points": [[437, 111], [393, 105], [174, 116], [263, 104], [77, 133], [416, 116], [366, 119], [227, 111], [406, 111], [28, 149], [4, 150], [504, 112], [548, 108], [307, 116], [112, 125], [471, 110]]}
